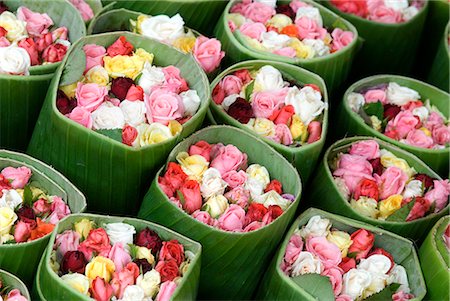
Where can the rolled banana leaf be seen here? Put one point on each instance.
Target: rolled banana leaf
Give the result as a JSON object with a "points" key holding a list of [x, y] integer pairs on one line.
{"points": [[22, 259], [434, 258], [111, 174], [333, 201], [387, 48], [21, 97], [278, 286], [333, 68], [352, 124], [49, 286], [13, 282], [232, 262], [439, 74], [304, 158]]}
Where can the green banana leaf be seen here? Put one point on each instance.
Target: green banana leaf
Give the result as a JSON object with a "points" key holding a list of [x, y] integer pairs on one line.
{"points": [[333, 201], [111, 174], [233, 263], [304, 158], [11, 281], [333, 68], [21, 97], [387, 48], [352, 124], [277, 286], [22, 259], [49, 286], [434, 261], [439, 74]]}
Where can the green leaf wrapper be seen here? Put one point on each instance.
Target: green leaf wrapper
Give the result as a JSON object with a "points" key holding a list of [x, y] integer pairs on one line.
{"points": [[232, 262], [22, 259], [278, 286], [439, 73], [113, 175], [13, 282]]}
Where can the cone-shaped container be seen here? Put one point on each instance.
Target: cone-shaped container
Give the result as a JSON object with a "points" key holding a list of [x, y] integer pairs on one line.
{"points": [[21, 97], [439, 74], [304, 158], [333, 68], [49, 286], [352, 124], [434, 258], [387, 48], [278, 286], [13, 282], [22, 259], [332, 200], [111, 174], [232, 262]]}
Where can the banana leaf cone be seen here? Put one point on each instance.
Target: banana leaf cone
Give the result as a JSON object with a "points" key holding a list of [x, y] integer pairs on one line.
{"points": [[305, 157], [434, 258], [232, 262], [352, 124], [333, 201], [278, 286], [22, 259], [333, 68], [49, 286], [111, 174], [13, 282], [387, 48], [439, 74], [21, 97]]}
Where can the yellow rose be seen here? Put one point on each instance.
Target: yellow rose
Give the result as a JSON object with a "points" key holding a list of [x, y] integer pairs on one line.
{"points": [[388, 159], [123, 66], [253, 43], [341, 239], [97, 75], [302, 51], [83, 227], [145, 253], [100, 266], [279, 21], [237, 19], [390, 205], [77, 281], [376, 123], [426, 131], [262, 126], [152, 134], [216, 205], [69, 90], [136, 25], [194, 166], [144, 55], [185, 44], [175, 127], [299, 130], [365, 206], [7, 220]]}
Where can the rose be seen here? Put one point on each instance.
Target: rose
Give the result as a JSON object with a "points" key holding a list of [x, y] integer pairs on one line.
{"points": [[362, 243], [328, 253], [166, 291], [308, 29], [420, 139], [173, 80], [368, 149], [388, 159], [101, 290], [258, 12], [212, 183], [144, 253], [365, 206], [67, 241], [355, 281], [218, 94], [316, 226], [402, 124], [19, 177], [168, 270], [37, 23], [94, 55], [192, 196], [439, 194], [441, 134], [265, 103], [399, 95], [120, 86], [135, 93], [7, 220], [306, 264], [120, 233], [385, 14], [335, 276], [14, 60], [307, 102], [15, 295], [391, 182], [163, 106], [59, 210], [402, 296], [149, 239], [97, 241], [29, 45], [203, 217], [241, 110], [11, 199], [149, 282], [376, 264], [175, 175], [231, 84], [73, 261], [274, 185], [107, 116], [273, 212], [268, 79], [201, 148], [283, 116], [381, 251], [16, 29], [293, 249], [255, 212], [54, 53], [413, 189], [215, 206], [353, 168], [83, 227], [367, 188], [310, 12], [287, 9], [434, 120], [272, 198], [238, 196], [172, 250], [133, 293], [232, 219], [120, 47], [191, 102], [77, 281], [151, 76], [133, 112], [119, 256], [347, 264], [377, 166], [253, 30], [163, 28], [399, 275], [426, 180], [341, 39], [22, 232], [229, 158], [123, 279], [315, 131], [376, 95], [90, 96], [208, 53], [194, 166], [25, 214], [358, 8], [341, 239]]}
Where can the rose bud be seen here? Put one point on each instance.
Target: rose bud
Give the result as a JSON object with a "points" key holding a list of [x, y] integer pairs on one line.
{"points": [[120, 86], [129, 134], [25, 212], [381, 251], [143, 264], [362, 243], [285, 9], [192, 196], [274, 185], [135, 93], [376, 166], [390, 111], [315, 131], [120, 47], [101, 290], [201, 148], [241, 110], [218, 94], [172, 250], [347, 264], [255, 212], [368, 188], [167, 269], [73, 261], [175, 175], [425, 179], [54, 53], [64, 104], [149, 239]]}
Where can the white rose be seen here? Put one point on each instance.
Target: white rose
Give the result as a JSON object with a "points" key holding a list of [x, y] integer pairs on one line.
{"points": [[271, 3], [163, 28], [318, 45], [191, 102], [316, 226], [262, 126], [355, 281], [307, 103], [311, 13], [399, 95], [11, 198], [259, 173], [16, 29], [134, 293], [212, 183], [397, 5], [149, 282], [268, 78], [228, 101], [216, 205], [133, 112], [306, 263], [398, 275], [274, 41], [77, 281], [377, 284], [255, 187], [272, 198], [108, 117], [120, 233], [151, 76], [14, 60], [410, 12], [340, 184], [376, 264], [412, 189], [7, 219], [365, 206], [421, 112], [355, 101]]}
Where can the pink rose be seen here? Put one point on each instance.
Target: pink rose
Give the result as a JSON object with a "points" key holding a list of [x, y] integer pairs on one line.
{"points": [[163, 106], [82, 116], [328, 253], [59, 210], [293, 249], [67, 241], [41, 207], [134, 93], [286, 51], [90, 96], [419, 138], [84, 9], [439, 194], [441, 134], [353, 169], [368, 149], [174, 82], [229, 157], [44, 41], [253, 30], [22, 231], [308, 29], [119, 256], [402, 124], [231, 84], [15, 295], [314, 131], [434, 120], [60, 33], [391, 182], [4, 42], [37, 23], [235, 178], [203, 217], [208, 53], [101, 290], [201, 148], [94, 55], [283, 134], [253, 226], [238, 196], [29, 45], [258, 12], [54, 53], [375, 95], [19, 176], [239, 7], [166, 291], [341, 38], [385, 14], [124, 278], [362, 243], [232, 219], [265, 103], [335, 276]]}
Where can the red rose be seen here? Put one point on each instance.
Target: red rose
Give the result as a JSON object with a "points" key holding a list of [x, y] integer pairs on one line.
{"points": [[97, 241], [165, 185], [101, 290], [420, 207], [283, 116], [135, 93], [192, 196], [425, 179], [25, 212], [172, 250], [381, 251], [285, 9], [390, 111], [274, 185], [120, 47], [74, 262], [64, 104], [241, 110], [175, 175], [149, 239], [362, 243], [4, 184], [255, 212], [368, 188], [244, 75], [29, 45], [201, 148], [143, 265], [377, 166], [44, 41], [3, 7], [275, 211], [167, 269], [347, 264], [54, 53], [218, 94], [3, 31], [129, 134], [120, 86]]}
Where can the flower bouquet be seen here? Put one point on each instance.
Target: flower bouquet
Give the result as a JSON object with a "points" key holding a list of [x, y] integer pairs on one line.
{"points": [[33, 198], [375, 182], [329, 257], [439, 73], [405, 112], [390, 30], [115, 258], [434, 257], [34, 37], [285, 104], [232, 193], [302, 33], [12, 288], [110, 128]]}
